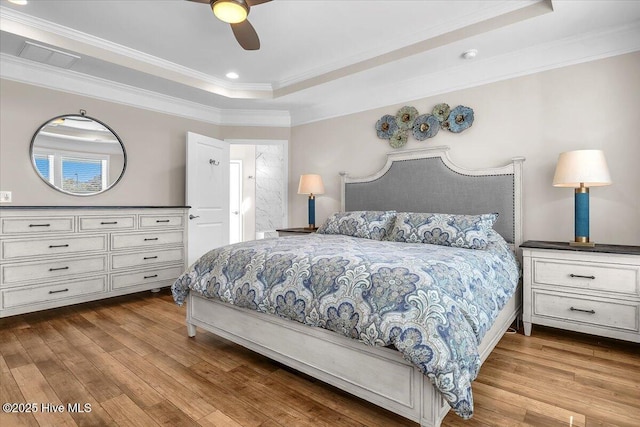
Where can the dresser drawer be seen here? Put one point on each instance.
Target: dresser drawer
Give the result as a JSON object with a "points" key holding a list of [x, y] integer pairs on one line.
{"points": [[590, 311], [44, 270], [587, 275], [37, 225], [140, 240], [146, 276], [106, 222], [155, 221], [147, 258], [52, 246], [17, 297]]}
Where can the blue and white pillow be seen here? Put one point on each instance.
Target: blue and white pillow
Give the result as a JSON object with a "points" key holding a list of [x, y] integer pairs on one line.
{"points": [[374, 225], [460, 231]]}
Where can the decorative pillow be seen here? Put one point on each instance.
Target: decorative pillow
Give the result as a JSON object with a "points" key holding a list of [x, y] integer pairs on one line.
{"points": [[374, 225], [460, 231]]}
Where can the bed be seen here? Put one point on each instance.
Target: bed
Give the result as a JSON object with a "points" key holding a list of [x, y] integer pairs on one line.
{"points": [[376, 352]]}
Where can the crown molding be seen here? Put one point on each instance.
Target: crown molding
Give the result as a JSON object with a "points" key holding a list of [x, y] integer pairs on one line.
{"points": [[37, 74]]}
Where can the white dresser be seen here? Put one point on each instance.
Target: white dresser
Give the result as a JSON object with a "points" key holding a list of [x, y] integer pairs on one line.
{"points": [[591, 290], [51, 257]]}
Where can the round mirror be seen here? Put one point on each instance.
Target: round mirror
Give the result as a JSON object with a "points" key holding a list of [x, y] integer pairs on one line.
{"points": [[78, 155]]}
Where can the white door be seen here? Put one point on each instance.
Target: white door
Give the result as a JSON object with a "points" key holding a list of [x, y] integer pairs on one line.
{"points": [[207, 193]]}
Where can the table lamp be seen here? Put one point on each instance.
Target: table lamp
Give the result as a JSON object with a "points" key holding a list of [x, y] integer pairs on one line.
{"points": [[311, 184], [581, 169]]}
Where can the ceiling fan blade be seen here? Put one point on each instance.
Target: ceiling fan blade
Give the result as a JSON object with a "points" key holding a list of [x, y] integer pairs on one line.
{"points": [[200, 1], [252, 3], [246, 35]]}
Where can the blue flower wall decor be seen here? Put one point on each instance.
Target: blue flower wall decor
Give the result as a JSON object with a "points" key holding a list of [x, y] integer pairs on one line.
{"points": [[425, 126], [386, 126], [460, 118], [395, 129]]}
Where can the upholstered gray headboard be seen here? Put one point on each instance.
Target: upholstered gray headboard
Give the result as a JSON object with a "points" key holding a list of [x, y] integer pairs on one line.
{"points": [[427, 181]]}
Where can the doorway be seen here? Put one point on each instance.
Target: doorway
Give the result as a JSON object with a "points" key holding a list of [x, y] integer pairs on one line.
{"points": [[262, 188]]}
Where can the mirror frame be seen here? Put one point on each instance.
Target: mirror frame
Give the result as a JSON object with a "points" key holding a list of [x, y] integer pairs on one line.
{"points": [[33, 163]]}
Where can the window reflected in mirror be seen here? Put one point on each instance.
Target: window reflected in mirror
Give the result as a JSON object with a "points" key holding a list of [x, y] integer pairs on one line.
{"points": [[78, 155]]}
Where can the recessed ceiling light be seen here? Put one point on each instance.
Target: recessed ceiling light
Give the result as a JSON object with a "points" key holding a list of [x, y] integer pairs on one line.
{"points": [[232, 75], [470, 54], [19, 2]]}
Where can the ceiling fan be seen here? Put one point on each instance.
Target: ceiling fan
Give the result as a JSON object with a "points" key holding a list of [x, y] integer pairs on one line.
{"points": [[234, 12]]}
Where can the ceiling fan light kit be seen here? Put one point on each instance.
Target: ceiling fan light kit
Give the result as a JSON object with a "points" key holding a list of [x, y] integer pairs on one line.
{"points": [[234, 13], [230, 11]]}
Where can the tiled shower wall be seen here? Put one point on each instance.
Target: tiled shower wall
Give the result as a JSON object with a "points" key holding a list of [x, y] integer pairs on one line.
{"points": [[270, 182]]}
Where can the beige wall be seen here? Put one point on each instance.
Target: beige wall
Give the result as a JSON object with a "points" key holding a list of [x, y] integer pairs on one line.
{"points": [[593, 105], [155, 145]]}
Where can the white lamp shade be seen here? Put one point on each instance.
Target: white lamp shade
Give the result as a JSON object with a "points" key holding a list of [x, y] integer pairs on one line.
{"points": [[588, 167], [310, 184]]}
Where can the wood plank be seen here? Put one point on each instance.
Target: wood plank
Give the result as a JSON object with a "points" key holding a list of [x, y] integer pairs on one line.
{"points": [[100, 387], [46, 361], [184, 398], [166, 413], [10, 393], [218, 419], [12, 350], [108, 324], [36, 389], [76, 397], [133, 386], [126, 413]]}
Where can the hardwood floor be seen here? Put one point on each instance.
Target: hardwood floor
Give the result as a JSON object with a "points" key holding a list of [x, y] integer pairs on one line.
{"points": [[129, 360]]}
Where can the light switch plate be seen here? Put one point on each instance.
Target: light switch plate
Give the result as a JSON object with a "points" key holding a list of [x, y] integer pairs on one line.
{"points": [[5, 196]]}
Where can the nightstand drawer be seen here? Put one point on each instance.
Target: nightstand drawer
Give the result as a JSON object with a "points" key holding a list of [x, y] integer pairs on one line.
{"points": [[587, 275], [590, 311], [23, 296]]}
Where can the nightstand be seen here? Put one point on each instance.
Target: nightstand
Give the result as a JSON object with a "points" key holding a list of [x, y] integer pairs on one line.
{"points": [[591, 290], [297, 231]]}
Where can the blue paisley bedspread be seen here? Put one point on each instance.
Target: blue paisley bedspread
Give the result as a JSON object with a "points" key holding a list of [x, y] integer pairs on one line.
{"points": [[433, 303]]}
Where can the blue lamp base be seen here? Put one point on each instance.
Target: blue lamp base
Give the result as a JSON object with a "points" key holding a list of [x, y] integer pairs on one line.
{"points": [[312, 211], [582, 218]]}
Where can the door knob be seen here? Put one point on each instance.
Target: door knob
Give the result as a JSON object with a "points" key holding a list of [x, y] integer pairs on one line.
{"points": [[194, 216], [235, 212]]}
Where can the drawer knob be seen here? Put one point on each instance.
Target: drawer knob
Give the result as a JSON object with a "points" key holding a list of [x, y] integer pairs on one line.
{"points": [[582, 310], [579, 276], [148, 239], [151, 257], [108, 222], [57, 292], [39, 225], [151, 277], [60, 268], [58, 246], [162, 220]]}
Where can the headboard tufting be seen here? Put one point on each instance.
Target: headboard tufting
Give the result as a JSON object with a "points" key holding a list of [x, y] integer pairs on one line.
{"points": [[427, 181]]}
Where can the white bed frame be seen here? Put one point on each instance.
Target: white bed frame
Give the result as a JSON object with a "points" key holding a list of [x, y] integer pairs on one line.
{"points": [[378, 375]]}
